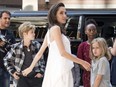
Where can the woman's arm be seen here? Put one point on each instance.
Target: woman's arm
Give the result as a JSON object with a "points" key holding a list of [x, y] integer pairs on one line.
{"points": [[97, 80], [55, 33], [37, 57], [40, 53]]}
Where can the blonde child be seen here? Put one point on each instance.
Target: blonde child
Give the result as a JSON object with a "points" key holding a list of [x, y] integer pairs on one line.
{"points": [[100, 71], [21, 55]]}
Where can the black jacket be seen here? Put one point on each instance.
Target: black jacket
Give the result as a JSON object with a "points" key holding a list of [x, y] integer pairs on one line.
{"points": [[9, 39]]}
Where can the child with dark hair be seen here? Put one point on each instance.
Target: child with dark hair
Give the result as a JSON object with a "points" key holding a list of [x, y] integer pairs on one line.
{"points": [[83, 49]]}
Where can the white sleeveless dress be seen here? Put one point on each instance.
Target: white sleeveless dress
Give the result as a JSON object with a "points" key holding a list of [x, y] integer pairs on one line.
{"points": [[58, 69]]}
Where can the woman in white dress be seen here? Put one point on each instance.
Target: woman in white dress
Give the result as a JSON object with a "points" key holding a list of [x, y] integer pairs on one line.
{"points": [[60, 60]]}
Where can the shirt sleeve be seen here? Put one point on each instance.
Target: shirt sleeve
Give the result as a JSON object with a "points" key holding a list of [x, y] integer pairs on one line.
{"points": [[102, 66], [9, 61], [40, 66]]}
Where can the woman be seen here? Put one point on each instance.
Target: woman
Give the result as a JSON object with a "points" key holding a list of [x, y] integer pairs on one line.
{"points": [[60, 60]]}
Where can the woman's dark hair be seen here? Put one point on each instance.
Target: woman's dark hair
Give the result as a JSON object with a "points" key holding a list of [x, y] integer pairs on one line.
{"points": [[52, 20]]}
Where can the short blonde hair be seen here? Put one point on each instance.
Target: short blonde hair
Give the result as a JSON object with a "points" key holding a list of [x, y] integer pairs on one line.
{"points": [[104, 47], [25, 27]]}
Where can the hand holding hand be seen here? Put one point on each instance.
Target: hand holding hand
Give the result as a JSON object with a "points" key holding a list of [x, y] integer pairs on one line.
{"points": [[26, 71], [86, 65]]}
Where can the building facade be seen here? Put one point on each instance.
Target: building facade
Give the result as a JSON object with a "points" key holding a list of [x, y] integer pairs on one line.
{"points": [[70, 4]]}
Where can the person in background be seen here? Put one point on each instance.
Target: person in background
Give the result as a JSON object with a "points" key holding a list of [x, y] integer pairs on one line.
{"points": [[113, 64], [60, 60], [100, 71], [6, 39], [84, 47], [113, 49], [21, 55], [76, 75]]}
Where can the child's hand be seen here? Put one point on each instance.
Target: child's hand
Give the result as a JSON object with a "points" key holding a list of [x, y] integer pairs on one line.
{"points": [[15, 75], [2, 43], [38, 75], [86, 65], [26, 71]]}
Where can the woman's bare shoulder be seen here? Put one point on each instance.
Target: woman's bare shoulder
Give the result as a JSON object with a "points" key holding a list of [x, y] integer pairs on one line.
{"points": [[55, 29]]}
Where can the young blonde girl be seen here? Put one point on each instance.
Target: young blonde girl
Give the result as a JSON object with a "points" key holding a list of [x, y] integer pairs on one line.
{"points": [[20, 57], [100, 71]]}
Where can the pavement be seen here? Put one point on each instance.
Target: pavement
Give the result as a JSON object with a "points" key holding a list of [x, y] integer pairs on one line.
{"points": [[11, 85]]}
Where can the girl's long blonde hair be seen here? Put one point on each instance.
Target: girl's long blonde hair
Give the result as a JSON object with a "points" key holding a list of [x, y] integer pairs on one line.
{"points": [[104, 47]]}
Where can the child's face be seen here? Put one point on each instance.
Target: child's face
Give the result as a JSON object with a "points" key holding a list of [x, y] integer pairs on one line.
{"points": [[90, 31], [96, 49], [30, 35]]}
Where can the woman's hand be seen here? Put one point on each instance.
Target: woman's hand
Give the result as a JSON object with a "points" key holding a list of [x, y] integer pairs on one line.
{"points": [[86, 65], [26, 71]]}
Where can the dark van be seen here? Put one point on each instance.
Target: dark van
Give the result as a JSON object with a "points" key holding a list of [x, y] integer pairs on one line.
{"points": [[105, 18]]}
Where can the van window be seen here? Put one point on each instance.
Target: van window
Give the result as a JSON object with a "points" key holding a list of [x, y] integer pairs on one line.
{"points": [[72, 27], [39, 22]]}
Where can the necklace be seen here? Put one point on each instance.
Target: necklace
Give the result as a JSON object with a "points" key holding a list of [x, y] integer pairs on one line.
{"points": [[28, 49]]}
